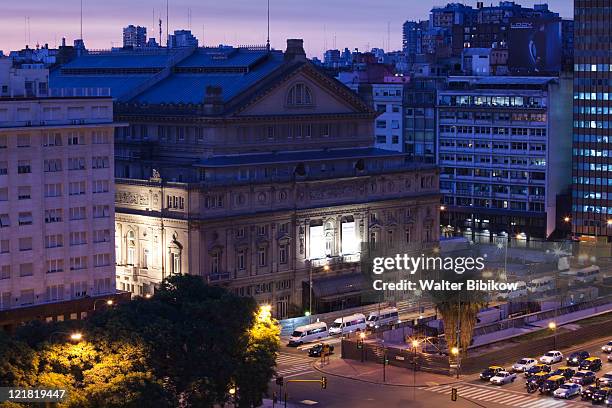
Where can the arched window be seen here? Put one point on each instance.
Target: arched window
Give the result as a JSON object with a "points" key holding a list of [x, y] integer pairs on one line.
{"points": [[299, 95], [131, 247]]}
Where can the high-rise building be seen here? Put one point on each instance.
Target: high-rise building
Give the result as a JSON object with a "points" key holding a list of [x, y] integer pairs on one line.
{"points": [[504, 153], [592, 154], [134, 36], [182, 39], [56, 206]]}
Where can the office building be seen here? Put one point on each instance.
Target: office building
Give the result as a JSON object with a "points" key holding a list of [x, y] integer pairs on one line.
{"points": [[182, 39], [134, 36], [252, 169], [56, 206], [504, 149], [592, 163]]}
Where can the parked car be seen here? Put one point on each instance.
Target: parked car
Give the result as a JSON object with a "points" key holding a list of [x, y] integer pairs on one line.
{"points": [[577, 357], [583, 378], [600, 395], [606, 380], [567, 390], [503, 377], [587, 392], [490, 372], [538, 368], [321, 348], [565, 371], [591, 364], [552, 383], [523, 364], [552, 357], [607, 348]]}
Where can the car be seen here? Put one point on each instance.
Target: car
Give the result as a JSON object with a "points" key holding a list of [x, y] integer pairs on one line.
{"points": [[539, 378], [503, 377], [567, 390], [600, 395], [321, 348], [538, 368], [607, 348], [583, 378], [576, 358], [552, 357], [587, 392], [552, 383], [606, 380], [523, 364], [490, 372], [610, 357], [591, 364], [565, 371]]}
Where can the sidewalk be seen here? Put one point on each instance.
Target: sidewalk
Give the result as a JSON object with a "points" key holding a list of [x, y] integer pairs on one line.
{"points": [[267, 403], [371, 372]]}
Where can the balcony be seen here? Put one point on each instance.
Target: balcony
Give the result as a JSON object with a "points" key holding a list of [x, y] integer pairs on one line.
{"points": [[219, 277]]}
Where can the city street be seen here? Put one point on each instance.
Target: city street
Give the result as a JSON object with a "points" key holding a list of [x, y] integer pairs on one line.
{"points": [[294, 364]]}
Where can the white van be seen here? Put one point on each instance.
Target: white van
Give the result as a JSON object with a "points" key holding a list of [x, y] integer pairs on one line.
{"points": [[348, 324], [310, 332], [587, 275], [540, 285], [382, 317], [521, 290]]}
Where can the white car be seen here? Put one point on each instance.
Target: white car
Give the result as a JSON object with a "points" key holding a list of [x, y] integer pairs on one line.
{"points": [[567, 390], [551, 357], [503, 377], [524, 364], [607, 348], [606, 379], [610, 357]]}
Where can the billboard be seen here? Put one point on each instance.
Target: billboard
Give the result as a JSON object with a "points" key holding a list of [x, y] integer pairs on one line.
{"points": [[534, 45]]}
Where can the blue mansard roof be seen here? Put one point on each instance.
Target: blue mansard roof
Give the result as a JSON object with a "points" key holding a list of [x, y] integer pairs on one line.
{"points": [[168, 77]]}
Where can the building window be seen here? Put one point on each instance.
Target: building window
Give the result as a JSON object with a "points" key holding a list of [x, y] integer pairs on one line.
{"points": [[101, 211], [78, 262], [76, 163], [215, 261], [52, 165], [24, 193], [24, 167], [145, 259], [25, 218], [131, 247], [53, 190], [26, 269], [25, 244], [54, 215], [176, 263], [282, 254], [54, 241], [5, 246], [299, 95], [23, 141], [261, 256], [55, 265], [5, 272], [77, 213], [100, 162], [241, 259]]}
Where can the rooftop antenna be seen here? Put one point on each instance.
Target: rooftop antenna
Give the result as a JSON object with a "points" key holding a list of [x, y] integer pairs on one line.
{"points": [[29, 31], [202, 35], [324, 37], [268, 38], [388, 36], [25, 30], [160, 31], [167, 24], [81, 19]]}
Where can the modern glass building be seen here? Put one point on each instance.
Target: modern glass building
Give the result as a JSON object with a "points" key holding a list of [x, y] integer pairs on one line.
{"points": [[592, 154]]}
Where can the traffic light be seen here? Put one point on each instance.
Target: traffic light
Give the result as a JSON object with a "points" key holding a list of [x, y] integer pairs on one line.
{"points": [[359, 344], [453, 394], [323, 383], [279, 380]]}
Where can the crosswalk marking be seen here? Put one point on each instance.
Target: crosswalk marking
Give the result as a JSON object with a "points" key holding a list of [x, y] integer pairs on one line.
{"points": [[497, 395], [291, 365]]}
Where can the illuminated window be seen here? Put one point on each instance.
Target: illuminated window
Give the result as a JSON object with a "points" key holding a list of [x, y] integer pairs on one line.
{"points": [[131, 243]]}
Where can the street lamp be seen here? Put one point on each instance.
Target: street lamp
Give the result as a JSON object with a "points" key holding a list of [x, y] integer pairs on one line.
{"points": [[455, 352], [415, 344], [362, 337], [148, 296], [265, 313], [232, 393], [553, 326], [566, 218], [108, 302], [610, 223], [74, 336]]}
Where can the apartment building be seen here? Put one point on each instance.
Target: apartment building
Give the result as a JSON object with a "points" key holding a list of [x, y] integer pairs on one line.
{"points": [[56, 207], [504, 148]]}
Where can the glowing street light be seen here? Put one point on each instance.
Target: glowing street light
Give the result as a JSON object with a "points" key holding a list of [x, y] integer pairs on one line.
{"points": [[455, 351], [307, 313], [326, 267], [442, 208], [107, 302], [265, 313], [610, 223], [76, 336], [566, 219], [232, 391], [148, 296], [415, 344], [552, 325], [362, 335]]}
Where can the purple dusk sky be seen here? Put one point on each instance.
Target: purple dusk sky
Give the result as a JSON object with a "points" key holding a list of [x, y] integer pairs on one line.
{"points": [[353, 23]]}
